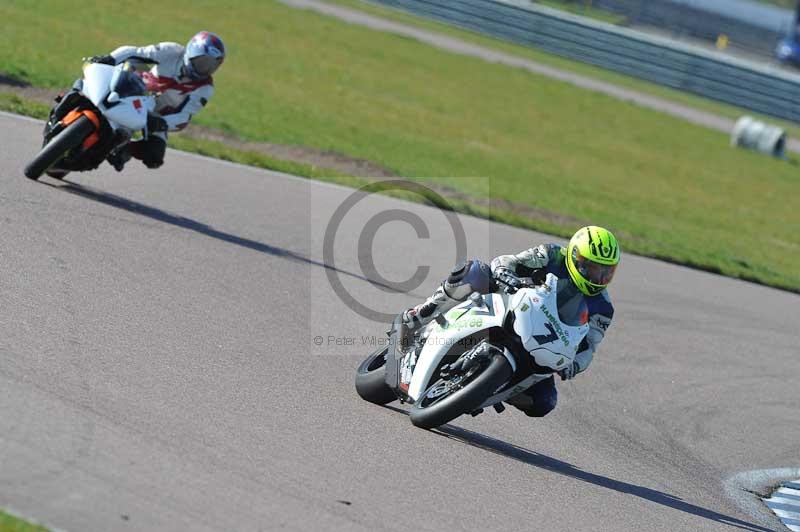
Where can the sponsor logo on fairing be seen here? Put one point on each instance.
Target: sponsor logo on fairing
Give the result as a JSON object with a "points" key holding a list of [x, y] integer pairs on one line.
{"points": [[556, 325]]}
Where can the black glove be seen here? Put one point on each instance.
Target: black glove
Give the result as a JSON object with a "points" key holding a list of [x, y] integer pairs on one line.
{"points": [[539, 276], [156, 123], [569, 372], [102, 59], [508, 278]]}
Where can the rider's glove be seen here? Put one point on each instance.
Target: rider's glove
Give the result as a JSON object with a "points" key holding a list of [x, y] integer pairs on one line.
{"points": [[507, 277], [156, 123], [569, 372], [103, 59], [539, 276]]}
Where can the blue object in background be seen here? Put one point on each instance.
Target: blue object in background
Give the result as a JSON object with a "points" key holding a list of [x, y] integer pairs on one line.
{"points": [[788, 50]]}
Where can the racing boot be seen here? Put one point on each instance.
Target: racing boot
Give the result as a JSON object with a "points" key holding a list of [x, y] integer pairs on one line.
{"points": [[466, 278], [119, 157], [436, 305], [417, 317], [56, 173]]}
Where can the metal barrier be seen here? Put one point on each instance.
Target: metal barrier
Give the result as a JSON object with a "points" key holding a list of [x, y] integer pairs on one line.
{"points": [[755, 28], [748, 85]]}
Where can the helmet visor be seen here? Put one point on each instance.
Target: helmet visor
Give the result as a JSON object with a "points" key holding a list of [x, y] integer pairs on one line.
{"points": [[205, 65], [595, 273]]}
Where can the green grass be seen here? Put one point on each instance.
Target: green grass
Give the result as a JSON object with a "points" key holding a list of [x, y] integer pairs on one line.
{"points": [[14, 104], [9, 523], [622, 80], [669, 188], [219, 150]]}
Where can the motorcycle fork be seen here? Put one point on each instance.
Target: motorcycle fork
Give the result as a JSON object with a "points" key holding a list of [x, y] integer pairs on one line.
{"points": [[65, 104], [75, 114]]}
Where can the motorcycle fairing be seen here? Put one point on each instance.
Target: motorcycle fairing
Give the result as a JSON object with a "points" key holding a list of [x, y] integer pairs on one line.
{"points": [[551, 342], [464, 320], [129, 111]]}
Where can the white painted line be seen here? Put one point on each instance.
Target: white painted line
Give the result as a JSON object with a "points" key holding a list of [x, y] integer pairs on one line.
{"points": [[221, 162], [783, 510], [18, 515], [21, 117], [785, 503]]}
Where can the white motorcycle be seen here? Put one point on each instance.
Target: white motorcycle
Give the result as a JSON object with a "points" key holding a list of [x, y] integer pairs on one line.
{"points": [[481, 353], [99, 115]]}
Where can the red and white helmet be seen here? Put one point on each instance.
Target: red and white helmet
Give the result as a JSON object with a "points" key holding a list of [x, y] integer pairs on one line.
{"points": [[204, 53]]}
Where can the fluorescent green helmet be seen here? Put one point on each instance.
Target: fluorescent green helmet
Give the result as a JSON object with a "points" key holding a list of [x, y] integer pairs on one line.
{"points": [[592, 257]]}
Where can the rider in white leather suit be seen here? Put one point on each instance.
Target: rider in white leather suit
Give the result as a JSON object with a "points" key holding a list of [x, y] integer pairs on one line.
{"points": [[181, 79]]}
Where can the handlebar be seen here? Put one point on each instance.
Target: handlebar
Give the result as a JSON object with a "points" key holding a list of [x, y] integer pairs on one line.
{"points": [[511, 286]]}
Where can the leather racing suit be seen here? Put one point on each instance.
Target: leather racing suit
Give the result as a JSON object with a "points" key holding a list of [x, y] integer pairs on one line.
{"points": [[477, 276], [179, 97]]}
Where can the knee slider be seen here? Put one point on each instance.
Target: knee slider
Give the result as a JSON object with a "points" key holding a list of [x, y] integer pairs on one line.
{"points": [[458, 273], [459, 291], [474, 276]]}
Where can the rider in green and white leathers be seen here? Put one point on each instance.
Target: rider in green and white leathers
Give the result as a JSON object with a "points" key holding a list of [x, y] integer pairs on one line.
{"points": [[589, 261], [551, 257]]}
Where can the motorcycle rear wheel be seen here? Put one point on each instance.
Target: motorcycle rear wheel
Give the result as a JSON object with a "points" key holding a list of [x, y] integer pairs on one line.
{"points": [[54, 150], [371, 379], [431, 411]]}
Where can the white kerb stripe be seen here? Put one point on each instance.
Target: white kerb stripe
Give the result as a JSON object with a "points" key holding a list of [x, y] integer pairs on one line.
{"points": [[785, 503]]}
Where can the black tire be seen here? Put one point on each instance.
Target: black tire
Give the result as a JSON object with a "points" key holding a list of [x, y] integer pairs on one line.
{"points": [[54, 150], [370, 379], [464, 400]]}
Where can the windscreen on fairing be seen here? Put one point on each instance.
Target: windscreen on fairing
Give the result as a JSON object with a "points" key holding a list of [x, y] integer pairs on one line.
{"points": [[572, 309], [126, 83]]}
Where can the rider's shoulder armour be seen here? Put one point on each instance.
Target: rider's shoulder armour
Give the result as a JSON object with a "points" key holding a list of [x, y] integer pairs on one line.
{"points": [[600, 304]]}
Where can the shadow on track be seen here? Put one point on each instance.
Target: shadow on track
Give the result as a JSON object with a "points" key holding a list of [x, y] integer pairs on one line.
{"points": [[531, 458], [155, 213]]}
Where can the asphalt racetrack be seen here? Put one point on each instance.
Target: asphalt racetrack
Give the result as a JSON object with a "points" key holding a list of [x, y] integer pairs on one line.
{"points": [[159, 370]]}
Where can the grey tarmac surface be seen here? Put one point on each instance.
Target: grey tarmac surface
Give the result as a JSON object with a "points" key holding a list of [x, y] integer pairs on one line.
{"points": [[455, 45], [158, 371]]}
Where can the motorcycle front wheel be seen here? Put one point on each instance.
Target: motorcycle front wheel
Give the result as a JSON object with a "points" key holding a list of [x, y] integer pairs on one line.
{"points": [[446, 399], [54, 150]]}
